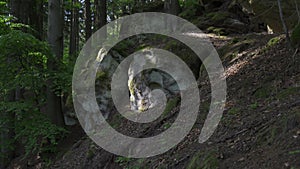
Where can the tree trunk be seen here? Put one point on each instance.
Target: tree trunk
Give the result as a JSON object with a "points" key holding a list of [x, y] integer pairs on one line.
{"points": [[298, 12], [7, 134], [29, 12], [88, 20], [101, 13], [101, 16], [19, 9], [96, 15], [74, 36], [55, 40], [172, 7], [285, 28], [36, 18]]}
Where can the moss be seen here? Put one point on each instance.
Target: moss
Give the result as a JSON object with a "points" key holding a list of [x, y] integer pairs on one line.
{"points": [[254, 106], [171, 45], [167, 125], [91, 151], [100, 75], [294, 152], [231, 50], [172, 103], [116, 120], [217, 31], [203, 160], [234, 111], [273, 41]]}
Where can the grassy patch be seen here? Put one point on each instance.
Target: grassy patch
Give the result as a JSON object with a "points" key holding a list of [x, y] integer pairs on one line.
{"points": [[287, 92], [294, 152], [263, 92], [270, 134], [123, 161]]}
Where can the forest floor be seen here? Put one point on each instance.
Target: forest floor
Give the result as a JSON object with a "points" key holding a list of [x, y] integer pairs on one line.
{"points": [[260, 127]]}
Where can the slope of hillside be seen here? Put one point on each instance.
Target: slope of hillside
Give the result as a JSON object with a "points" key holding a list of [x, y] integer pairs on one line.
{"points": [[260, 127]]}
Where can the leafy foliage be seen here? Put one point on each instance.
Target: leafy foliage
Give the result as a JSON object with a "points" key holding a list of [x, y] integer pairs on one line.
{"points": [[23, 58], [190, 8], [295, 37]]}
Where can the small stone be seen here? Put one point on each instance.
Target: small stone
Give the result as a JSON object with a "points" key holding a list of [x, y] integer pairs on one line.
{"points": [[286, 164], [241, 159]]}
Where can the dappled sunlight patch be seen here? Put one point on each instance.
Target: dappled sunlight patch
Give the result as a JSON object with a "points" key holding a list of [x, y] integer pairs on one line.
{"points": [[234, 69]]}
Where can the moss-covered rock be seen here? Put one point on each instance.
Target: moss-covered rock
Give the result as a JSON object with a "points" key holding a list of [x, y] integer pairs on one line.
{"points": [[273, 41]]}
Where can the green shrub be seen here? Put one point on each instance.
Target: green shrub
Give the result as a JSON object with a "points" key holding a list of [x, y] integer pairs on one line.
{"points": [[24, 59], [190, 9], [295, 37]]}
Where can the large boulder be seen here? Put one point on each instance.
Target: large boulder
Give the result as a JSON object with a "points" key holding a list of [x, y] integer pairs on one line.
{"points": [[106, 69]]}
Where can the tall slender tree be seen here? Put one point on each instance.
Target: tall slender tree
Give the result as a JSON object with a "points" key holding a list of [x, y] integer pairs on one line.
{"points": [[88, 19], [29, 12], [74, 34], [55, 40], [101, 13], [285, 28]]}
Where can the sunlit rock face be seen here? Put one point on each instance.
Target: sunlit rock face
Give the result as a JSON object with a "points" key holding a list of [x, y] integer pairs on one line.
{"points": [[106, 69], [141, 85]]}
